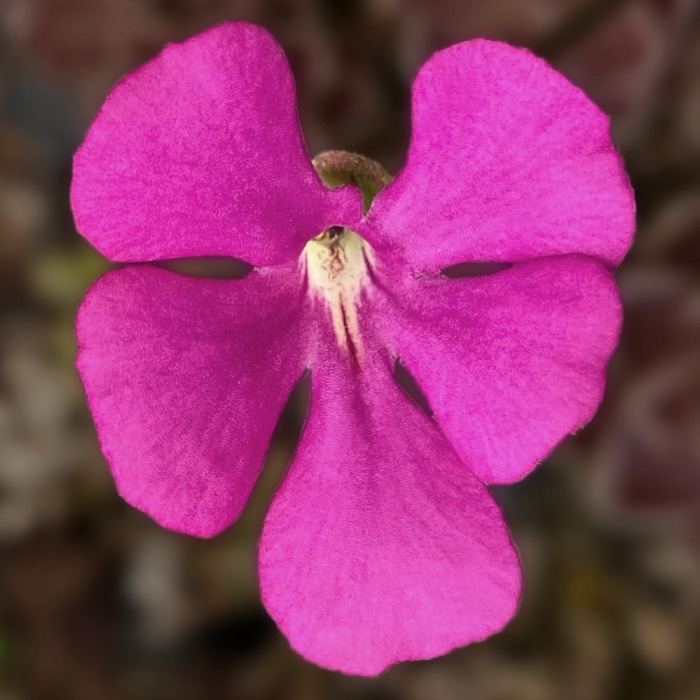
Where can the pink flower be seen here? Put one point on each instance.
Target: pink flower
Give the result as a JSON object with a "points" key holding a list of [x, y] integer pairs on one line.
{"points": [[382, 543]]}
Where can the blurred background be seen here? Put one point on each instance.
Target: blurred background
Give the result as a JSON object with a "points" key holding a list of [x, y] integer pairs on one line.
{"points": [[97, 602]]}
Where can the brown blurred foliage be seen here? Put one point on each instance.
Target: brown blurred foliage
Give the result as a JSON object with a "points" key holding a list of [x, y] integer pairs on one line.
{"points": [[97, 602]]}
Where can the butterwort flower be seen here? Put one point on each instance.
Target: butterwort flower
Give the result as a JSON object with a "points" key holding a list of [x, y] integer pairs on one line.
{"points": [[382, 543]]}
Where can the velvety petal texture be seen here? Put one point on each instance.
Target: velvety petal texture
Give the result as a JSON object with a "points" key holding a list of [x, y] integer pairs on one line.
{"points": [[382, 543], [186, 379], [512, 362], [199, 152], [380, 546], [508, 161]]}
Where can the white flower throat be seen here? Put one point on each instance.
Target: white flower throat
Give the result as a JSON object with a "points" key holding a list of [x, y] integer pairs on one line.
{"points": [[337, 266]]}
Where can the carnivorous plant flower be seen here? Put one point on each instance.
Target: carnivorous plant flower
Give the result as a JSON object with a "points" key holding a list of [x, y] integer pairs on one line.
{"points": [[382, 542]]}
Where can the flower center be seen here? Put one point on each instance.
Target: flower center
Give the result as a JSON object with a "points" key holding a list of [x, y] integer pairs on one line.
{"points": [[337, 263]]}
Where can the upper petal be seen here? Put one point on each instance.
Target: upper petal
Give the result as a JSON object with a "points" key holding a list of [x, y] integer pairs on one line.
{"points": [[510, 363], [199, 152], [380, 546], [186, 378], [508, 161]]}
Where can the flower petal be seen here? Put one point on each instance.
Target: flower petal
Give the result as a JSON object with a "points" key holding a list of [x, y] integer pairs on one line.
{"points": [[186, 379], [199, 152], [380, 546], [510, 363], [508, 161]]}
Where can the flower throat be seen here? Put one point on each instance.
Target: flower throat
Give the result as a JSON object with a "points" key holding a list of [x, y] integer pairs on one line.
{"points": [[338, 260]]}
